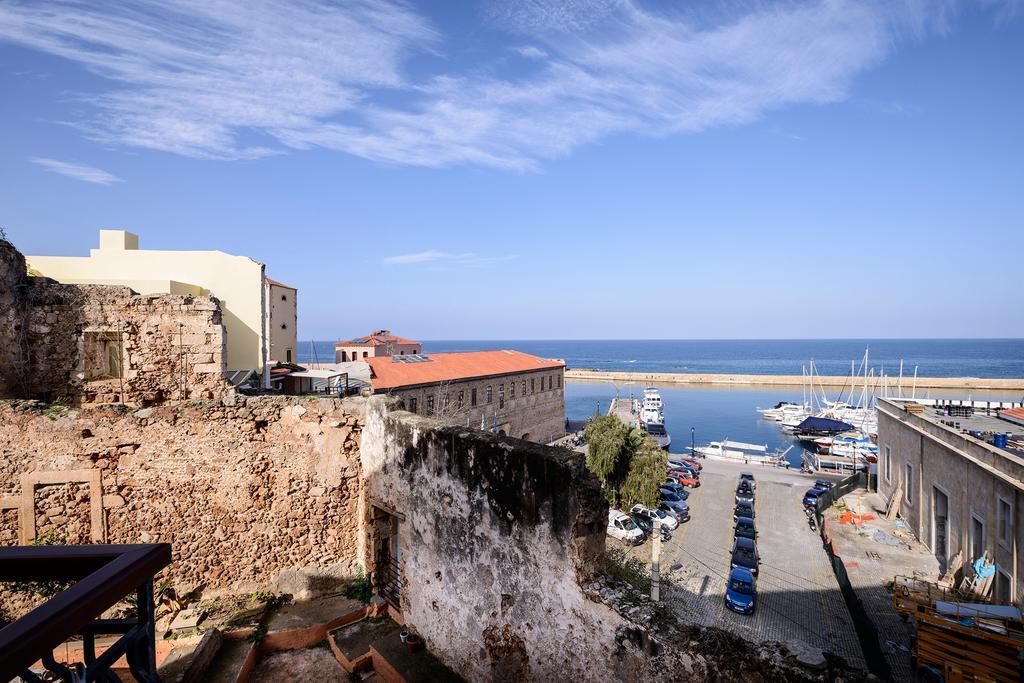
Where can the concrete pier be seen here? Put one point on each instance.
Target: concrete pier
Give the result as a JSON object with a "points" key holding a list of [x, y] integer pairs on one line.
{"points": [[835, 382]]}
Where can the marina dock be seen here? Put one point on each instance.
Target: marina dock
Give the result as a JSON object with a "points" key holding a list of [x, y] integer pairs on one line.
{"points": [[622, 408], [892, 384]]}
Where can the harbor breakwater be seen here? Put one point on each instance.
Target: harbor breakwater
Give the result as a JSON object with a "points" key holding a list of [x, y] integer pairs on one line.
{"points": [[835, 382]]}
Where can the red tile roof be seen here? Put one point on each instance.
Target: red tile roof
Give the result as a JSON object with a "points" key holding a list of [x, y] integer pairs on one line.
{"points": [[1013, 414], [445, 367], [280, 284], [377, 338]]}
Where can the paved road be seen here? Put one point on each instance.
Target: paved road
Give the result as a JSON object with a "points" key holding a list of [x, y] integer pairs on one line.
{"points": [[799, 600]]}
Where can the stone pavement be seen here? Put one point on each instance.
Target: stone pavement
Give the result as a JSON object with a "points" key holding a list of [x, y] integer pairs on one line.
{"points": [[872, 565], [799, 601]]}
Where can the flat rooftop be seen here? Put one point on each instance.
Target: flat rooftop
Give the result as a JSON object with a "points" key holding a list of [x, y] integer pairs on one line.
{"points": [[980, 422]]}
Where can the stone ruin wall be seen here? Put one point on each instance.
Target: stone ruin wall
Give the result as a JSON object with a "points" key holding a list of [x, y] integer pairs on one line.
{"points": [[56, 339], [249, 492], [499, 538]]}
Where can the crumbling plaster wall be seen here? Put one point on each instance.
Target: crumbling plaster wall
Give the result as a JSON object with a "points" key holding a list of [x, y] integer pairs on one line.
{"points": [[498, 538], [245, 490], [166, 347]]}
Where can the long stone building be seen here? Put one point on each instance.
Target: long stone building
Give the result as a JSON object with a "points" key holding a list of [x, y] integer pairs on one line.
{"points": [[958, 493], [508, 392]]}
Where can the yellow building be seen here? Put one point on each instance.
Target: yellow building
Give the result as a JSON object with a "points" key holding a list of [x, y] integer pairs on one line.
{"points": [[239, 282]]}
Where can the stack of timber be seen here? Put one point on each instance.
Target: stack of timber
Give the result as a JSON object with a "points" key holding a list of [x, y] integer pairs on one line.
{"points": [[962, 639]]}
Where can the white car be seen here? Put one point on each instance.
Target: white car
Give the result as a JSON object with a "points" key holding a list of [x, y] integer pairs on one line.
{"points": [[620, 526], [658, 517]]}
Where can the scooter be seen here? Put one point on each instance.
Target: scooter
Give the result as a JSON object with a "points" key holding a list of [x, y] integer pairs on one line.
{"points": [[666, 535]]}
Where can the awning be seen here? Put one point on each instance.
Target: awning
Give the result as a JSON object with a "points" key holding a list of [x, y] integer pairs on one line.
{"points": [[823, 424]]}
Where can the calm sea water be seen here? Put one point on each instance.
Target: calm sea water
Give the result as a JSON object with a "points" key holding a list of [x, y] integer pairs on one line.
{"points": [[717, 413], [933, 357]]}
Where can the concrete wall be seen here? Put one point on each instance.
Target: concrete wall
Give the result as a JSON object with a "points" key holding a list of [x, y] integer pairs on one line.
{"points": [[237, 281], [973, 475], [243, 490], [283, 303], [538, 415], [496, 536]]}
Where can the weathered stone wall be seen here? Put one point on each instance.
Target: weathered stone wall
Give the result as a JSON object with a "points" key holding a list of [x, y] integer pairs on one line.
{"points": [[13, 319], [243, 490], [99, 344], [496, 537]]}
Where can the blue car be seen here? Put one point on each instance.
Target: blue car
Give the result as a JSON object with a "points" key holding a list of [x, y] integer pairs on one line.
{"points": [[811, 497], [741, 591], [675, 488]]}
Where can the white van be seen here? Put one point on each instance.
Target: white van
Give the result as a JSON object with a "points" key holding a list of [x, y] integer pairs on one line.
{"points": [[620, 526]]}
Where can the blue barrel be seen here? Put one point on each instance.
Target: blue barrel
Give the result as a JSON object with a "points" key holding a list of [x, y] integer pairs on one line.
{"points": [[999, 440]]}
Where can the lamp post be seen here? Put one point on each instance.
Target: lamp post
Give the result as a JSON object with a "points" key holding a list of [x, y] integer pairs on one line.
{"points": [[693, 451]]}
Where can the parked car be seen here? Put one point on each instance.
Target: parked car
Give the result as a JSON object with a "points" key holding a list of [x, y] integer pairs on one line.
{"points": [[744, 554], [676, 489], [744, 495], [691, 471], [743, 510], [748, 477], [659, 517], [822, 484], [741, 591], [745, 528], [688, 463], [684, 478], [671, 497], [620, 526], [679, 511], [811, 497], [645, 524]]}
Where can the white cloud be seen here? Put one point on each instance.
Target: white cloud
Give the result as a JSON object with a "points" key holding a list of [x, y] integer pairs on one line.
{"points": [[232, 80], [89, 174], [433, 256]]}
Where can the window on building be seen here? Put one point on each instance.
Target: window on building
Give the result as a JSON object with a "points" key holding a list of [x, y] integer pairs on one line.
{"points": [[103, 355], [524, 387], [430, 405], [1004, 587], [462, 395], [490, 395], [977, 537], [472, 396], [284, 298], [501, 395], [288, 355], [551, 382], [1004, 522], [446, 402], [888, 463], [559, 381], [909, 483], [284, 326], [412, 405], [533, 386], [366, 354], [401, 353], [511, 391]]}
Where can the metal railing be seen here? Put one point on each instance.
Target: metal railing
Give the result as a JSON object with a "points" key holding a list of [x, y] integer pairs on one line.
{"points": [[388, 579], [103, 575]]}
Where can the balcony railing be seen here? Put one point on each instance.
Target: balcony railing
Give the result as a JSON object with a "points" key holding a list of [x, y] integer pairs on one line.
{"points": [[103, 575]]}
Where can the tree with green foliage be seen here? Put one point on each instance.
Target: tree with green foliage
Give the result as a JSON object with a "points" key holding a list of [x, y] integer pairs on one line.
{"points": [[628, 463]]}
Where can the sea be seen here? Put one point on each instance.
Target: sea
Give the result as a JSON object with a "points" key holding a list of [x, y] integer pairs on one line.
{"points": [[704, 413]]}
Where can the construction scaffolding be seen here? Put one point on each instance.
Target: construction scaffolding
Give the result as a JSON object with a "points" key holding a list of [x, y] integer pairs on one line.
{"points": [[957, 636]]}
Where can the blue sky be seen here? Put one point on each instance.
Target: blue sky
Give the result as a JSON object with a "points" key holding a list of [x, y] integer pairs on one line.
{"points": [[533, 169]]}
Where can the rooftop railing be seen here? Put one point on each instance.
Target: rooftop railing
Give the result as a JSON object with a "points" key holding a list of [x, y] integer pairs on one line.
{"points": [[103, 576]]}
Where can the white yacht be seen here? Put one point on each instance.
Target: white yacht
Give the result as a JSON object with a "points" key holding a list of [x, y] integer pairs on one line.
{"points": [[652, 417], [738, 451]]}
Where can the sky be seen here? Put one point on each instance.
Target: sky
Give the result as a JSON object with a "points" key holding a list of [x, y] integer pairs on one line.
{"points": [[542, 170]]}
